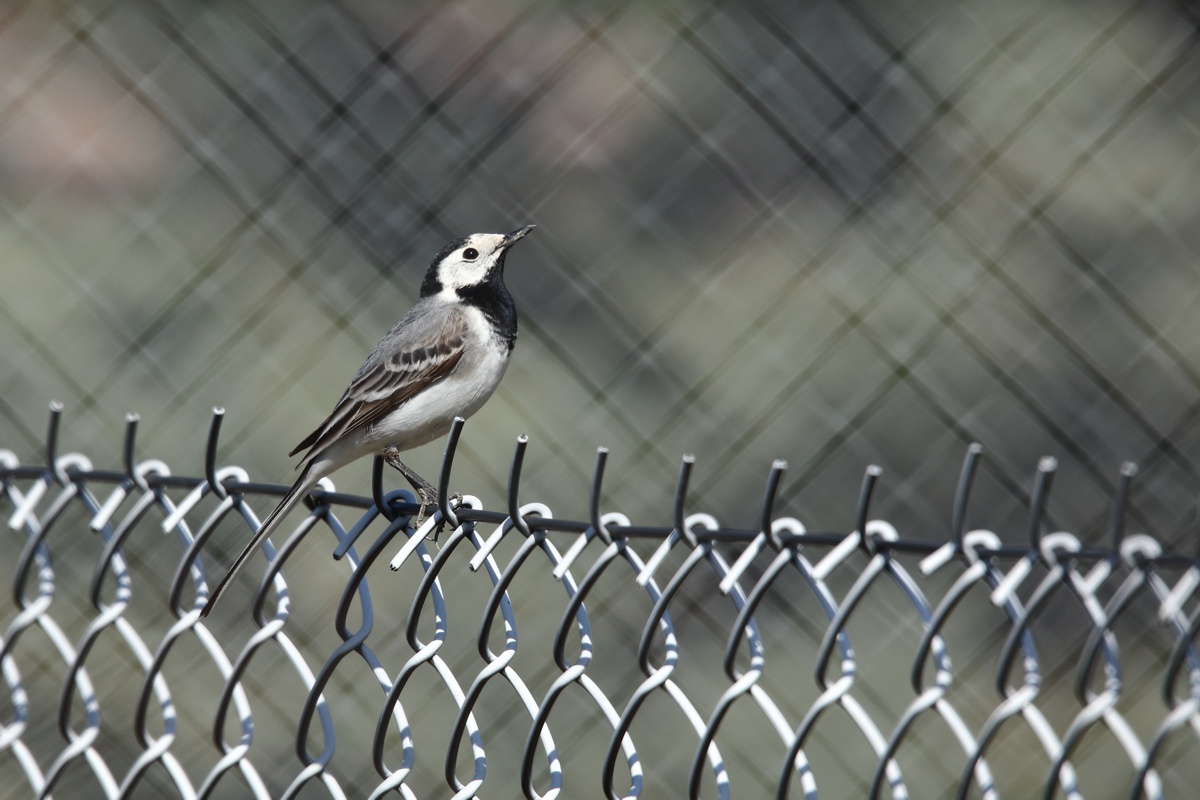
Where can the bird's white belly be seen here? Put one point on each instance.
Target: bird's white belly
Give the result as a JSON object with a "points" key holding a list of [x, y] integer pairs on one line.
{"points": [[429, 414]]}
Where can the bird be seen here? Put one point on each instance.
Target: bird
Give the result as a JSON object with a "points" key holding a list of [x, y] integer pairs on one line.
{"points": [[442, 360]]}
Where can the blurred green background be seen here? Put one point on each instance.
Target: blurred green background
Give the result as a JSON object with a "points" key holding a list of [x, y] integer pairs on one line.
{"points": [[835, 233]]}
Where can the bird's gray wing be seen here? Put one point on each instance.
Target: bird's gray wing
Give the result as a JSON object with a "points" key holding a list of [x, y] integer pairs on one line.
{"points": [[421, 349]]}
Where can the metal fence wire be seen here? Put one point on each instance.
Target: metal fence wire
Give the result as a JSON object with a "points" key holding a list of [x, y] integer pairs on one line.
{"points": [[836, 233], [765, 689]]}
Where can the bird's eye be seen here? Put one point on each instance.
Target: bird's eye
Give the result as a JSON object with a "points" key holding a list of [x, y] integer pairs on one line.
{"points": [[470, 254]]}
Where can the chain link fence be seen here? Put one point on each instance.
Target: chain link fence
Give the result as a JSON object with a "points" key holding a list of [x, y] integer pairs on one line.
{"points": [[836, 233], [691, 657]]}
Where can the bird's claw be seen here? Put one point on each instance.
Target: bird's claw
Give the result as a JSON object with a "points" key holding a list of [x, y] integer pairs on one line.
{"points": [[429, 504]]}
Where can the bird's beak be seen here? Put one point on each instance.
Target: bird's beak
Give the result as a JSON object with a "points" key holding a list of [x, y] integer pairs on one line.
{"points": [[515, 236]]}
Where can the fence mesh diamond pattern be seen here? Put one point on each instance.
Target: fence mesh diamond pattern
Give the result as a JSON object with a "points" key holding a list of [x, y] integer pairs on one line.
{"points": [[839, 233]]}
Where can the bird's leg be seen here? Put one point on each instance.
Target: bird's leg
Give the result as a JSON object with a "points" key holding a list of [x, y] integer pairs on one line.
{"points": [[424, 489]]}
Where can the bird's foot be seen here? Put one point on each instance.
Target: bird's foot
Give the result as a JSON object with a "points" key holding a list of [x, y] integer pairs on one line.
{"points": [[428, 498], [432, 505], [425, 490]]}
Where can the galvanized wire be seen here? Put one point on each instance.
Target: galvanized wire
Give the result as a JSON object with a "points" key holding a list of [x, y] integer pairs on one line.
{"points": [[89, 756]]}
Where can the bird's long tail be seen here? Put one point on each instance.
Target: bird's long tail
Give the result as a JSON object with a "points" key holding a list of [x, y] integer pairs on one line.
{"points": [[307, 480]]}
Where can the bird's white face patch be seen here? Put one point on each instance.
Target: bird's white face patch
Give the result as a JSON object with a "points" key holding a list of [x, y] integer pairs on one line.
{"points": [[470, 264]]}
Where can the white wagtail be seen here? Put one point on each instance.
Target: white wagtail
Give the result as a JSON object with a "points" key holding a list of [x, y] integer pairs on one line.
{"points": [[442, 360]]}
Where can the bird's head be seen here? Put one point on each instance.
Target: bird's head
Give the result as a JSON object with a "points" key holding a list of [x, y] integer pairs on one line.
{"points": [[471, 262]]}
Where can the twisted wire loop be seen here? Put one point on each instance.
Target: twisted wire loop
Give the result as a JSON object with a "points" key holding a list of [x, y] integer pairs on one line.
{"points": [[754, 726]]}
